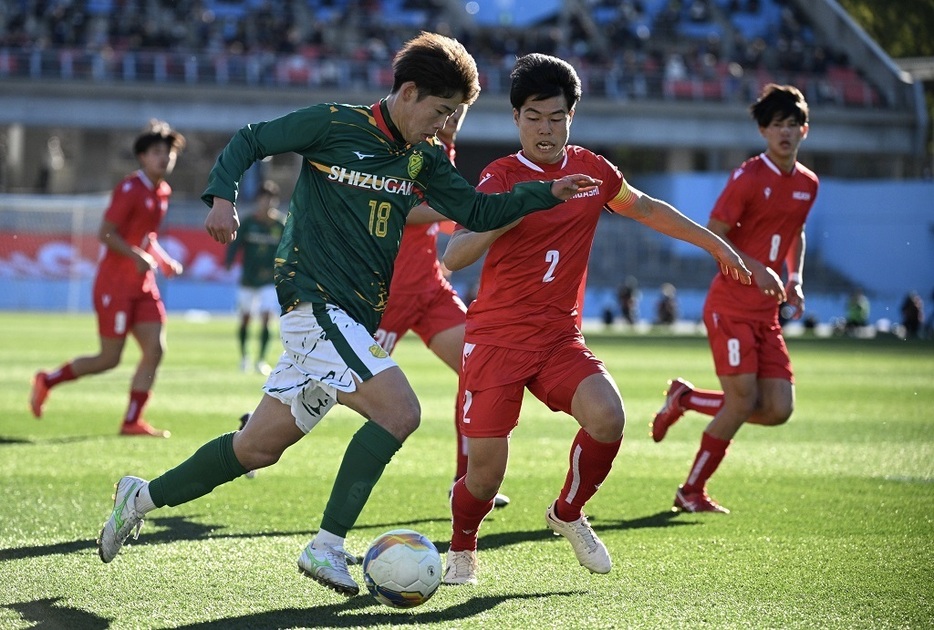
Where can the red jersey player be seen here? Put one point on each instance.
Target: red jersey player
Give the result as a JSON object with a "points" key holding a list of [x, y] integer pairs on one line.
{"points": [[522, 330], [126, 297], [422, 300], [761, 212]]}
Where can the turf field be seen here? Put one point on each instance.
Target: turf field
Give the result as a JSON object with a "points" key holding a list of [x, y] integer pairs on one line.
{"points": [[832, 523]]}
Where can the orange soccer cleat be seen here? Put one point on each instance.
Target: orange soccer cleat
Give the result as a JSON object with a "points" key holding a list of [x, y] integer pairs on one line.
{"points": [[696, 502], [40, 392], [672, 410], [143, 428]]}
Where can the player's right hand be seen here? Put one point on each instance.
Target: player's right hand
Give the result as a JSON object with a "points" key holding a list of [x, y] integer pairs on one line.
{"points": [[222, 221]]}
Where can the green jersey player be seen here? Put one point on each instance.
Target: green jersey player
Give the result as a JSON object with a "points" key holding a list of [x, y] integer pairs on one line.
{"points": [[363, 170]]}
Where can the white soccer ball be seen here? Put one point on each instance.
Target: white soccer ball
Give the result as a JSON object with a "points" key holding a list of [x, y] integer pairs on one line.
{"points": [[402, 568]]}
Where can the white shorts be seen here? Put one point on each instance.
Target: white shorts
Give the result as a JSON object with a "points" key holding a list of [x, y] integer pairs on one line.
{"points": [[326, 351], [257, 300]]}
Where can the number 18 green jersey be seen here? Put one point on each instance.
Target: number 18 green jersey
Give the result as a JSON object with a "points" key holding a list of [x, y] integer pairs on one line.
{"points": [[359, 179]]}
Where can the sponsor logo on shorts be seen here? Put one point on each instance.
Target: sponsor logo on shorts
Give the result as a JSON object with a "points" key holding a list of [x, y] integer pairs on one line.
{"points": [[377, 351]]}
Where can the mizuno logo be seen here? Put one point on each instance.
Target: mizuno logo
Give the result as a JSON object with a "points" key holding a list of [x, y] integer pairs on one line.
{"points": [[485, 177], [363, 156]]}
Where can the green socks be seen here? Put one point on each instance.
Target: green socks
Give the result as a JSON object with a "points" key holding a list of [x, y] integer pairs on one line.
{"points": [[364, 460], [212, 465]]}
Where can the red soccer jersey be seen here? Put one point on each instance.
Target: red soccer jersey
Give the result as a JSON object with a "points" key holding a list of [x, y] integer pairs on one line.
{"points": [[137, 208], [532, 275], [766, 209], [417, 267]]}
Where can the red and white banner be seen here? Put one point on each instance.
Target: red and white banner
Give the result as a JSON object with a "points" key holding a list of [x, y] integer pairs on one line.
{"points": [[61, 256]]}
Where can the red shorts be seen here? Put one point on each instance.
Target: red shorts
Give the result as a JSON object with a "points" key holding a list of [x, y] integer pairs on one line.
{"points": [[747, 346], [119, 310], [493, 381], [427, 313]]}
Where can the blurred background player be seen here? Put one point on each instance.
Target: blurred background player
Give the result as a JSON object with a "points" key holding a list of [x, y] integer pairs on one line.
{"points": [[126, 297], [422, 300], [523, 330], [257, 239], [762, 212]]}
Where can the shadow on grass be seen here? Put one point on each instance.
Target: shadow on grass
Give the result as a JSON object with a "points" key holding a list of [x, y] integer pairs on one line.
{"points": [[363, 611], [68, 439], [45, 614], [176, 528], [505, 539]]}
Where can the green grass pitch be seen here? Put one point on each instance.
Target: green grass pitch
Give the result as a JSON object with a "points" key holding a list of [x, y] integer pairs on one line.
{"points": [[832, 523]]}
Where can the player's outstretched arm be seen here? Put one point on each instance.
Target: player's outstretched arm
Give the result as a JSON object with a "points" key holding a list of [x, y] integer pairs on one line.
{"points": [[664, 218], [423, 213], [466, 247], [570, 185], [222, 221]]}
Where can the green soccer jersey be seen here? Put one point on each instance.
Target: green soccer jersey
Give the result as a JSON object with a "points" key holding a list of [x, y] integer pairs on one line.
{"points": [[258, 240], [359, 179]]}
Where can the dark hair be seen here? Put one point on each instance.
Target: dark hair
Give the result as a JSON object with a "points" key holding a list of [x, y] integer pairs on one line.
{"points": [[779, 101], [158, 131], [541, 76], [439, 66]]}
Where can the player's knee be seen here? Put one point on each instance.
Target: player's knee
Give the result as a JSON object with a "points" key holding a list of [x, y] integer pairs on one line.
{"points": [[606, 423], [484, 483], [106, 362], [403, 419], [779, 413]]}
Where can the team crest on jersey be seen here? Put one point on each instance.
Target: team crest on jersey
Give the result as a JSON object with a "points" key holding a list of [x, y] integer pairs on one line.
{"points": [[377, 351], [416, 160]]}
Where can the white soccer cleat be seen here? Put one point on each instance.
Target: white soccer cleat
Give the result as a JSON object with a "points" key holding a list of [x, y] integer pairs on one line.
{"points": [[123, 520], [589, 549], [327, 565], [500, 500], [461, 567]]}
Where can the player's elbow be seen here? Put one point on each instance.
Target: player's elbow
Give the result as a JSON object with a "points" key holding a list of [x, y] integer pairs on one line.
{"points": [[453, 262]]}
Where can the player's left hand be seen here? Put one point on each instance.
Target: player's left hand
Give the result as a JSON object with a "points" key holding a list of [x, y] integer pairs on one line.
{"points": [[172, 268], [732, 265], [222, 221], [570, 185], [795, 299]]}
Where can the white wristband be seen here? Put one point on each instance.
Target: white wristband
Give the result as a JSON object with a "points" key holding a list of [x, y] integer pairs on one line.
{"points": [[794, 277]]}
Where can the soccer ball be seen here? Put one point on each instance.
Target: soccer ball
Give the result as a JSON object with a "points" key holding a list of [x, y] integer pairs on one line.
{"points": [[402, 568]]}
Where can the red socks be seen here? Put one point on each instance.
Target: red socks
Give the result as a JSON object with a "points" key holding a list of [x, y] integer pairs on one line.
{"points": [[467, 512], [60, 375], [705, 401], [134, 411], [711, 453], [590, 463]]}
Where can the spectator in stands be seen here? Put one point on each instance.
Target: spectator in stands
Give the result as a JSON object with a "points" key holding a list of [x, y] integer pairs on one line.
{"points": [[628, 297], [666, 309], [912, 315], [126, 297], [743, 330], [258, 239], [857, 311]]}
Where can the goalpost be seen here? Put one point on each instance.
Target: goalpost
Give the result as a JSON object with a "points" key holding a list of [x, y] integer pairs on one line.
{"points": [[49, 250]]}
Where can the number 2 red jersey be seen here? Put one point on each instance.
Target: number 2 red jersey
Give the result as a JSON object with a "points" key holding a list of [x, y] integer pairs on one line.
{"points": [[766, 210], [529, 286], [137, 208]]}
